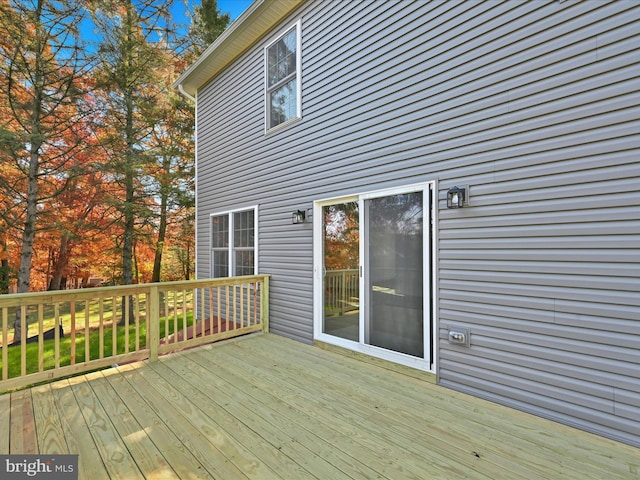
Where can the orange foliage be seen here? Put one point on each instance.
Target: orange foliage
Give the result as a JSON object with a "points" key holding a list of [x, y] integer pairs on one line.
{"points": [[79, 228]]}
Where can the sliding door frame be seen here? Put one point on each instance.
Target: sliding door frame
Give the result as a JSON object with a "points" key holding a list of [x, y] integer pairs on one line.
{"points": [[428, 363]]}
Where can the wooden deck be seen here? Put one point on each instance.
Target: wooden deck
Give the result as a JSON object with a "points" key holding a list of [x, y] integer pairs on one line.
{"points": [[263, 407]]}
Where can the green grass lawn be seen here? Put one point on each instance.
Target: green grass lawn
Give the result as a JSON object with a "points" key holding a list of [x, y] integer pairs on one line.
{"points": [[14, 362]]}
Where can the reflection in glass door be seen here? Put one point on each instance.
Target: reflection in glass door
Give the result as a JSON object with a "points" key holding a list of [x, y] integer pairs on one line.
{"points": [[393, 249], [341, 261], [374, 263]]}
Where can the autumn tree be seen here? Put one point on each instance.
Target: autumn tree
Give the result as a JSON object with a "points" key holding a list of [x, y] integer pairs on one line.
{"points": [[42, 61], [341, 236], [99, 157], [83, 218]]}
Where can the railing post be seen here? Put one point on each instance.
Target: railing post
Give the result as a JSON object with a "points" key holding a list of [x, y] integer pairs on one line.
{"points": [[264, 304], [153, 322]]}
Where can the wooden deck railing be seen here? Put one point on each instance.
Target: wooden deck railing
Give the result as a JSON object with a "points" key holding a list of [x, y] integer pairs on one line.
{"points": [[341, 291], [74, 331]]}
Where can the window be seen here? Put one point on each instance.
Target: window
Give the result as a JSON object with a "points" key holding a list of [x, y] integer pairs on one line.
{"points": [[283, 89], [233, 243]]}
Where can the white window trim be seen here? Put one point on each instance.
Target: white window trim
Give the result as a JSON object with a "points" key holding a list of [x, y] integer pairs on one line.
{"points": [[232, 266], [298, 26]]}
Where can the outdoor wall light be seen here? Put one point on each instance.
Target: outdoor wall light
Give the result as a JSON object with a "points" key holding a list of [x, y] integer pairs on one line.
{"points": [[298, 217], [456, 197]]}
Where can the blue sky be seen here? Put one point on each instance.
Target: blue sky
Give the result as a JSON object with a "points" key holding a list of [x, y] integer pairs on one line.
{"points": [[232, 7]]}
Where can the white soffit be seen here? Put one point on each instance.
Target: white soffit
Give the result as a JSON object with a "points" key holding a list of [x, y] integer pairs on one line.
{"points": [[248, 28]]}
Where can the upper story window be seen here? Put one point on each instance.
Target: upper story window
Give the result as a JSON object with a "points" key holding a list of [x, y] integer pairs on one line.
{"points": [[233, 243], [283, 72]]}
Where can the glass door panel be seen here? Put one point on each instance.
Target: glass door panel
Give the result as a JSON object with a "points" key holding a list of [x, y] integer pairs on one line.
{"points": [[341, 262], [393, 249]]}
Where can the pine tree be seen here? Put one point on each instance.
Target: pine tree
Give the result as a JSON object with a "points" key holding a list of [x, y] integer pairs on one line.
{"points": [[207, 25], [42, 62]]}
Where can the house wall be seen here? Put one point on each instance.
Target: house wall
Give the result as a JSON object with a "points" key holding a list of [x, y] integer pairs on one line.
{"points": [[535, 106]]}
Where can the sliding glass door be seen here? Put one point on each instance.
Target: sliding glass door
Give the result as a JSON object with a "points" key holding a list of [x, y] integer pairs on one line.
{"points": [[373, 259], [341, 267], [394, 307]]}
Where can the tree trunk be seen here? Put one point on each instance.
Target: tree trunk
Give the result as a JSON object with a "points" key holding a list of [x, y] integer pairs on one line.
{"points": [[28, 236], [130, 160], [4, 266], [162, 231], [187, 263], [35, 141], [61, 264], [129, 223]]}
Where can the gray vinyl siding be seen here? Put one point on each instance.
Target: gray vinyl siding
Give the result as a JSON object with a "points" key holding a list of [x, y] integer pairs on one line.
{"points": [[535, 106]]}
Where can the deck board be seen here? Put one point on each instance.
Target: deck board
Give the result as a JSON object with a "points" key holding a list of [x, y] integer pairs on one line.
{"points": [[291, 431], [176, 411], [373, 407], [350, 428], [76, 432], [50, 434], [116, 457], [518, 438], [143, 451], [467, 440], [223, 438], [175, 452], [229, 410], [5, 422], [264, 407], [22, 428]]}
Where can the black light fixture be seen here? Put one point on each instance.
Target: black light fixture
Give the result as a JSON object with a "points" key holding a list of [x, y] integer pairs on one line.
{"points": [[298, 217], [456, 197]]}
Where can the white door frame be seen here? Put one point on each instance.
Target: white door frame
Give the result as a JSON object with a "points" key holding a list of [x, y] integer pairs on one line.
{"points": [[429, 190]]}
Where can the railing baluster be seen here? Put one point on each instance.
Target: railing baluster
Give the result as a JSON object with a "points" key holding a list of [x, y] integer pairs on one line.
{"points": [[241, 305], [126, 325], [219, 314], [234, 302], [211, 328], [167, 312], [184, 314], [5, 347], [255, 303], [87, 331], [264, 304], [153, 322], [40, 338], [114, 324], [198, 318], [227, 316], [137, 325], [23, 340], [72, 334], [175, 314], [56, 334], [101, 330]]}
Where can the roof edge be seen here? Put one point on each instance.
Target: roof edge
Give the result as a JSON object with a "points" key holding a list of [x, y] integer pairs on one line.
{"points": [[257, 20]]}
